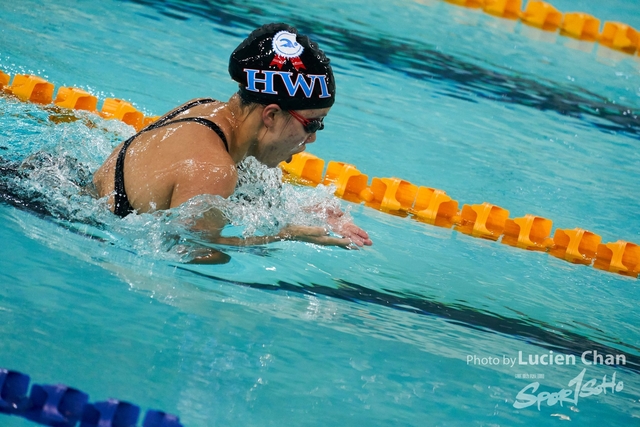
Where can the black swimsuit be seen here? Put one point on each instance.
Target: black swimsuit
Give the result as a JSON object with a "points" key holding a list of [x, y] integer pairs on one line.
{"points": [[123, 207]]}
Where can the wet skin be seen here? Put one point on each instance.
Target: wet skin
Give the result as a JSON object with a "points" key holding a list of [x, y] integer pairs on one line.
{"points": [[168, 166]]}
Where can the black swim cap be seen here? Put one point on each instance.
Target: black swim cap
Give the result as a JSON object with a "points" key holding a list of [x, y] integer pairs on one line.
{"points": [[276, 65]]}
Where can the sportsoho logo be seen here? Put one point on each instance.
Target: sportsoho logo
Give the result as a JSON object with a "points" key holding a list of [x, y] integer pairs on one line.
{"points": [[577, 388]]}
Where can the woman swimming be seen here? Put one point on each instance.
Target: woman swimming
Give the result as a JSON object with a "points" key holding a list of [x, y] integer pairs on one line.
{"points": [[286, 89]]}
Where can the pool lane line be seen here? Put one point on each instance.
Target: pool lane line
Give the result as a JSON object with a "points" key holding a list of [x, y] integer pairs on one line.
{"points": [[421, 61], [577, 25], [63, 406], [435, 207], [31, 88], [391, 195], [528, 330]]}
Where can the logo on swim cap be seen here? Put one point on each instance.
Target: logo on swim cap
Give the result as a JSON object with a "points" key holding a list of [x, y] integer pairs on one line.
{"points": [[285, 44], [286, 47]]}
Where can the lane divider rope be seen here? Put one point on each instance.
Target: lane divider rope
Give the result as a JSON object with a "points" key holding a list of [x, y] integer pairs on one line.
{"points": [[578, 25], [434, 206], [63, 406], [392, 195], [37, 90]]}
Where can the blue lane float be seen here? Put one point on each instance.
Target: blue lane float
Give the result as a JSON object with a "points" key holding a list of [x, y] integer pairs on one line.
{"points": [[63, 406], [13, 391], [160, 419], [55, 405], [111, 413]]}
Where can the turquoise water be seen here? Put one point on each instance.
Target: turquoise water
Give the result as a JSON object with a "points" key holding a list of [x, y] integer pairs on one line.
{"points": [[294, 334]]}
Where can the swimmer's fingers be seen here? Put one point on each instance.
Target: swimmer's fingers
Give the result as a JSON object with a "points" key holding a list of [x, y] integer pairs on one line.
{"points": [[357, 235], [352, 236], [362, 235]]}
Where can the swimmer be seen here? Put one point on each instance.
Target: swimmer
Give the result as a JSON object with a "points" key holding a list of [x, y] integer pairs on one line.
{"points": [[286, 89]]}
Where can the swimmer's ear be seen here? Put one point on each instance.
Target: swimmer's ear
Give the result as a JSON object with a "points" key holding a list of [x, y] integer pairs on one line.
{"points": [[269, 113]]}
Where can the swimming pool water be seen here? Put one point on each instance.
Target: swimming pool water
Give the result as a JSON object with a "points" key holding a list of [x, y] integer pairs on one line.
{"points": [[486, 109]]}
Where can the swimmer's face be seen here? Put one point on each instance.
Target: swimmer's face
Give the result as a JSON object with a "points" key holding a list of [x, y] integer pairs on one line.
{"points": [[287, 136]]}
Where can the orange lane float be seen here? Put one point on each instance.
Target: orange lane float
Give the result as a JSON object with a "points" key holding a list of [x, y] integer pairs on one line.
{"points": [[541, 15], [4, 80], [305, 166], [580, 26], [509, 9], [620, 36], [578, 246], [32, 88], [475, 4], [577, 25], [528, 232], [76, 99], [27, 87], [484, 220], [390, 194], [619, 257], [349, 181], [122, 110], [432, 205]]}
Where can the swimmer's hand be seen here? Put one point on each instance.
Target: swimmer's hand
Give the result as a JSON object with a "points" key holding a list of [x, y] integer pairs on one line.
{"points": [[317, 235], [355, 234], [351, 235], [210, 226], [344, 226]]}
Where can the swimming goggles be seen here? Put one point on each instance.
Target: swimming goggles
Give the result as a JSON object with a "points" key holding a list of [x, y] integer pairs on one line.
{"points": [[310, 125]]}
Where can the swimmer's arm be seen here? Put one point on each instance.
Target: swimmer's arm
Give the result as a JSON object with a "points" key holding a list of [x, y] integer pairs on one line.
{"points": [[213, 221], [221, 180]]}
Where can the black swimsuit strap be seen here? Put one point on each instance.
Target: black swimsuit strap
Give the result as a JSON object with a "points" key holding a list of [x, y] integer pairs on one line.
{"points": [[122, 205], [163, 120]]}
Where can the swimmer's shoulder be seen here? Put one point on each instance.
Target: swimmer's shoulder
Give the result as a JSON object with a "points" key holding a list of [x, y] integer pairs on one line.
{"points": [[208, 169]]}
